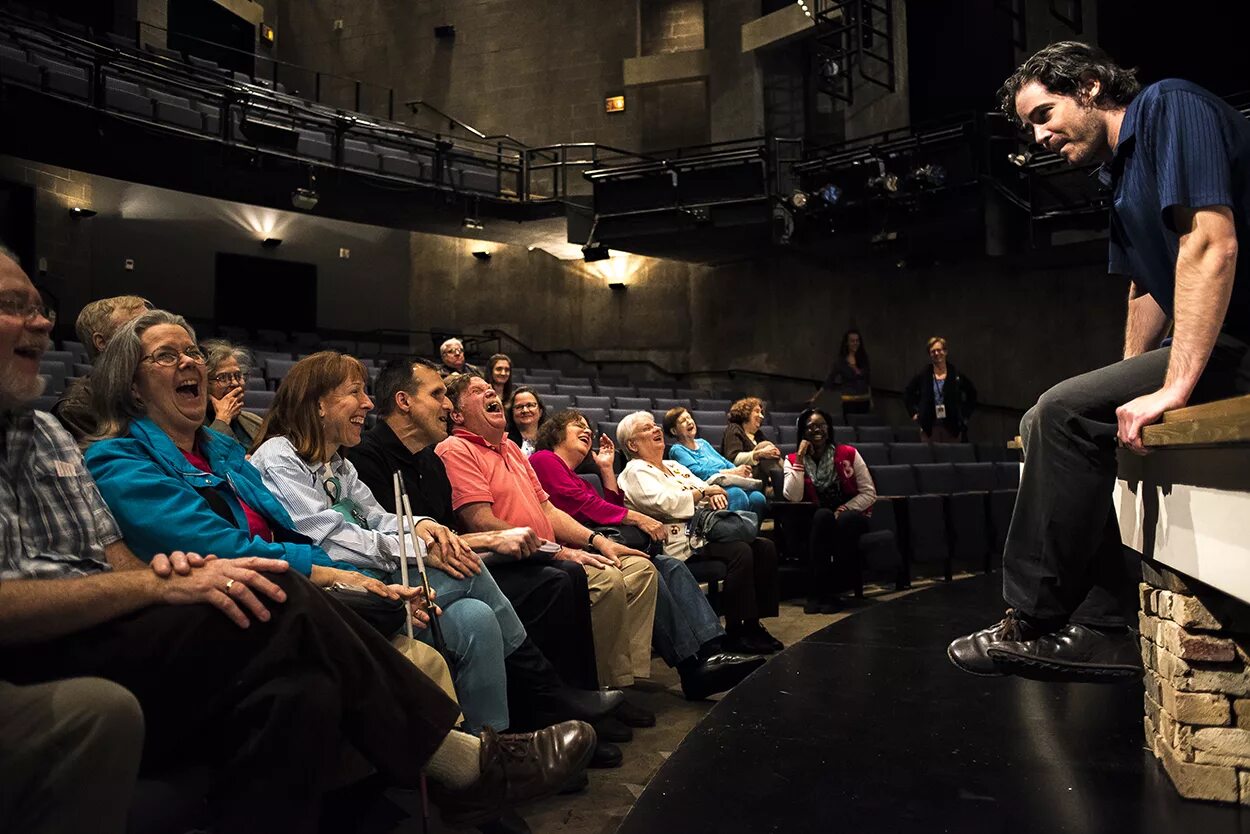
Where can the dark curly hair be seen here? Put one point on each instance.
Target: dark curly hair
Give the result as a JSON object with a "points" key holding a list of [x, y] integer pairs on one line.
{"points": [[551, 432], [1062, 67], [741, 410]]}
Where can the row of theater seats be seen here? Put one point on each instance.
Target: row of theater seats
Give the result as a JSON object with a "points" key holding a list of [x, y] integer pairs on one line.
{"points": [[192, 94]]}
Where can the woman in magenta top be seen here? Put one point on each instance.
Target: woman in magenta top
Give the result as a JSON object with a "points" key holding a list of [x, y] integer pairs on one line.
{"points": [[564, 442]]}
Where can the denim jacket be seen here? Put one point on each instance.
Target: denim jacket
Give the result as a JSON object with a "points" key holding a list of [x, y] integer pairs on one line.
{"points": [[155, 494]]}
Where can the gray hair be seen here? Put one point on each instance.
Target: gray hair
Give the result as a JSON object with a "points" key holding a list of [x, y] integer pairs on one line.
{"points": [[447, 344], [112, 378], [219, 351], [627, 428]]}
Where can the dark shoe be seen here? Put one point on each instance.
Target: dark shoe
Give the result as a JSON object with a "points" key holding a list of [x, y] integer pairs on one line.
{"points": [[580, 782], [509, 822], [971, 652], [744, 643], [569, 704], [718, 673], [632, 715], [1074, 653], [831, 605], [760, 633], [606, 755], [813, 605], [610, 729], [518, 768]]}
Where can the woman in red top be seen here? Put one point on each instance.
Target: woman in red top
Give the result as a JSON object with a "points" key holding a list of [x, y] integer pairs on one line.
{"points": [[836, 480]]}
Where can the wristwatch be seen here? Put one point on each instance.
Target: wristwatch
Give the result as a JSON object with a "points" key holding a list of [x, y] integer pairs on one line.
{"points": [[590, 542]]}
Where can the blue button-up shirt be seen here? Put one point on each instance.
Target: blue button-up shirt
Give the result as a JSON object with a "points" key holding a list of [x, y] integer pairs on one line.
{"points": [[1179, 146]]}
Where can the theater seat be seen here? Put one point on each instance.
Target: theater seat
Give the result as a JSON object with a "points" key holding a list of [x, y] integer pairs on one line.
{"points": [[632, 403], [583, 401], [1003, 502], [664, 394], [843, 435], [557, 402], [259, 402], [874, 454], [874, 434], [911, 453], [954, 453], [577, 390]]}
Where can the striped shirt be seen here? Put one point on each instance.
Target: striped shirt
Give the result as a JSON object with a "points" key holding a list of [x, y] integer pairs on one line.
{"points": [[300, 489], [53, 522]]}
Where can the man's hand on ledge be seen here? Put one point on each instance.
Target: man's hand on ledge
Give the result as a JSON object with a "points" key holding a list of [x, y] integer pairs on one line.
{"points": [[1135, 415]]}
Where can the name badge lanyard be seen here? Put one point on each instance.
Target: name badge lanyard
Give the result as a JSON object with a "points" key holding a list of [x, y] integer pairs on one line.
{"points": [[939, 398]]}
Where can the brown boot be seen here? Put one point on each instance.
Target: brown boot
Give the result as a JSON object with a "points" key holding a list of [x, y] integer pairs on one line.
{"points": [[517, 768]]}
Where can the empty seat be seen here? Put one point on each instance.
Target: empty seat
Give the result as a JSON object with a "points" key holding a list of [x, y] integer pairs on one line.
{"points": [[16, 66], [632, 403], [401, 163], [788, 438], [584, 389], [60, 77], [688, 394], [126, 96], [994, 452], [65, 357], [594, 415], [907, 434], [263, 356], [619, 391], [608, 427], [768, 433], [1007, 475], [255, 383], [842, 435], [359, 154], [175, 110], [271, 337], [277, 369], [578, 380], [665, 394], [954, 453], [935, 478], [708, 404], [874, 434], [880, 549], [314, 144], [56, 374], [78, 349], [894, 480], [80, 369], [618, 414], [557, 402], [911, 453], [584, 401], [708, 417], [542, 387], [874, 454], [546, 373], [858, 420], [347, 346], [258, 402], [975, 477]]}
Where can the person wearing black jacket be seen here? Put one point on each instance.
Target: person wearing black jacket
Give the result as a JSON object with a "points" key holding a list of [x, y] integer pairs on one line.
{"points": [[940, 398]]}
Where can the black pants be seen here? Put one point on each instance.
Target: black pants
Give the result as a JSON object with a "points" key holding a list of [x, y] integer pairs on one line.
{"points": [[1063, 559], [553, 601], [833, 551], [750, 588], [268, 708]]}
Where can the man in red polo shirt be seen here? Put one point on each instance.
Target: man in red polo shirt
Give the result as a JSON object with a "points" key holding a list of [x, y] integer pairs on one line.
{"points": [[494, 488]]}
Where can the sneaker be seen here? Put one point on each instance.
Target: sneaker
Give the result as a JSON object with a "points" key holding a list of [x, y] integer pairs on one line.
{"points": [[971, 652]]}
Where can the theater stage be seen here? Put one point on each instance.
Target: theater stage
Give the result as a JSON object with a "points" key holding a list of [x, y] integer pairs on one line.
{"points": [[865, 726]]}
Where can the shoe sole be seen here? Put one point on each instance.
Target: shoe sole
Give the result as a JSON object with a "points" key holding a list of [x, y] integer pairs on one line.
{"points": [[963, 668], [1074, 672]]}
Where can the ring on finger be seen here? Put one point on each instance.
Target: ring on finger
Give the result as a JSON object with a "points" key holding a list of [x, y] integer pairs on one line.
{"points": [[229, 584]]}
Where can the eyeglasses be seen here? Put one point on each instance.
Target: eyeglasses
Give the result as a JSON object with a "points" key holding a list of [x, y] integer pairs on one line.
{"points": [[232, 378], [454, 351], [23, 308], [525, 407], [168, 357]]}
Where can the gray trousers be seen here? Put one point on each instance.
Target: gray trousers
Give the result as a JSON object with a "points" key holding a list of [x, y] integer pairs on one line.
{"points": [[1063, 560], [69, 751]]}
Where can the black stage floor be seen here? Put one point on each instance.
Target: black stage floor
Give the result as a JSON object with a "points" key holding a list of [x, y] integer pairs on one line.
{"points": [[865, 726]]}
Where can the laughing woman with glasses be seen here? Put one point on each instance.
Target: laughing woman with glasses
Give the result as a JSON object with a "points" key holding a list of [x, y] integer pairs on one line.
{"points": [[526, 413], [228, 366]]}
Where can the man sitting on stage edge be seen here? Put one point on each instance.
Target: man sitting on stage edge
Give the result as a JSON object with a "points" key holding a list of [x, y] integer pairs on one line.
{"points": [[1178, 161]]}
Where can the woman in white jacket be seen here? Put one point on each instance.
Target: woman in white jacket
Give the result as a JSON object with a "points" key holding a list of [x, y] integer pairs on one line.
{"points": [[668, 491]]}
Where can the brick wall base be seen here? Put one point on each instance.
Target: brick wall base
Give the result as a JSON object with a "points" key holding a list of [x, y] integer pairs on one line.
{"points": [[1194, 645]]}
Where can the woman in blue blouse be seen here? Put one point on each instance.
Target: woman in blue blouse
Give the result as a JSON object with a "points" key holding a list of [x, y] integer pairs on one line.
{"points": [[701, 458]]}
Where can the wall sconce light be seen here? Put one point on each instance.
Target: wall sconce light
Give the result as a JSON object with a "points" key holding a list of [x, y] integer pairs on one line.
{"points": [[614, 104], [79, 213], [481, 255], [266, 34], [595, 252], [616, 286], [271, 242]]}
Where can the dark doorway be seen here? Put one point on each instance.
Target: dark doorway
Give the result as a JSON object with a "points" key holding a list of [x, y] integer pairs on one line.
{"points": [[265, 293], [208, 30]]}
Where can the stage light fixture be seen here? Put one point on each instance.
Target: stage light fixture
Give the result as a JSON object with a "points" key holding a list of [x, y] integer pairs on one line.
{"points": [[929, 175], [80, 213], [267, 34], [305, 198], [831, 194], [472, 223], [830, 69], [481, 255], [592, 252], [798, 199], [1020, 159]]}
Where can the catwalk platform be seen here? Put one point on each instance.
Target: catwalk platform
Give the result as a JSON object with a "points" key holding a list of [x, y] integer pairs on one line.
{"points": [[865, 726]]}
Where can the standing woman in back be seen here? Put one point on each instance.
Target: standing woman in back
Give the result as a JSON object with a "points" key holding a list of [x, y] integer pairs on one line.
{"points": [[851, 375], [940, 398]]}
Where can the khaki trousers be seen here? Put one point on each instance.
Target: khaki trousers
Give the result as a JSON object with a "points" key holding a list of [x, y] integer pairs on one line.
{"points": [[429, 662], [622, 614]]}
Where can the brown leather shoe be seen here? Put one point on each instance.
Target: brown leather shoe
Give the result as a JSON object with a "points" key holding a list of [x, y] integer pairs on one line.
{"points": [[518, 767]]}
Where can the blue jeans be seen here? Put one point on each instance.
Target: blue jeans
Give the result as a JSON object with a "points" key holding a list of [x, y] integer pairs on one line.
{"points": [[753, 501], [684, 620], [480, 629]]}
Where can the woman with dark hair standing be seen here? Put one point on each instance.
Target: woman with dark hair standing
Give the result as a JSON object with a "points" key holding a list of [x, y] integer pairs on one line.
{"points": [[526, 413], [851, 374], [940, 398], [499, 375], [835, 479]]}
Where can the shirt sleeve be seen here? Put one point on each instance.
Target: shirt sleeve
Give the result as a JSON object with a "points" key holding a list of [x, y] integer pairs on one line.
{"points": [[571, 494], [792, 486], [468, 482], [305, 500], [648, 491], [1190, 156], [867, 489], [103, 524]]}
